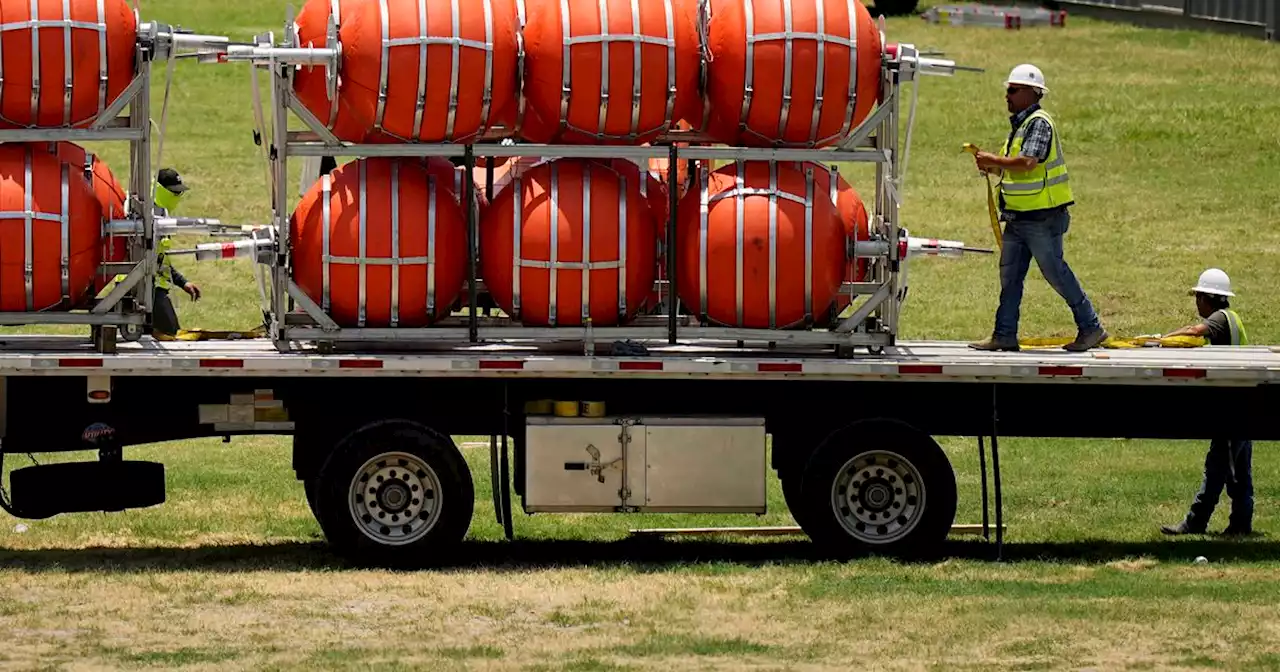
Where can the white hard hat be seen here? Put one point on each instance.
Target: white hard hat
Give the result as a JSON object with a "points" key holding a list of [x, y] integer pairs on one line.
{"points": [[1213, 281], [1028, 75]]}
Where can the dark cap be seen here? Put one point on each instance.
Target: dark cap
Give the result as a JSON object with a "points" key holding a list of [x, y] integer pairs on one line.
{"points": [[171, 180]]}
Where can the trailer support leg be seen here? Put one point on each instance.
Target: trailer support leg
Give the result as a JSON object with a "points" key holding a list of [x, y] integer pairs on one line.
{"points": [[986, 509], [995, 466]]}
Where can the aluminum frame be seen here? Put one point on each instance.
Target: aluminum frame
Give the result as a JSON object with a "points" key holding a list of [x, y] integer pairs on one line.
{"points": [[295, 319]]}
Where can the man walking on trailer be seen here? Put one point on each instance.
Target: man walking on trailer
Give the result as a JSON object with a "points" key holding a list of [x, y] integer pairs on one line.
{"points": [[1034, 196], [1229, 462], [169, 189]]}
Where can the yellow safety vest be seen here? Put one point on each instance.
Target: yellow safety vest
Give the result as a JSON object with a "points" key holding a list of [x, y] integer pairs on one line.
{"points": [[1238, 335], [1044, 186], [163, 266]]}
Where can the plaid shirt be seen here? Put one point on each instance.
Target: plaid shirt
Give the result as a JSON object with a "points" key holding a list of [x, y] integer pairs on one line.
{"points": [[1035, 143]]}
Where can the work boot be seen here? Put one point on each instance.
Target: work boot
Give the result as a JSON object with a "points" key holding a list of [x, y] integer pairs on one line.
{"points": [[1233, 531], [1180, 528], [1086, 341], [994, 344]]}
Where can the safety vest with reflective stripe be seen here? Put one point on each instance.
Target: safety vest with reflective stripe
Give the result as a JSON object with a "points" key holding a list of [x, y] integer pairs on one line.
{"points": [[1044, 186], [1238, 335], [164, 266]]}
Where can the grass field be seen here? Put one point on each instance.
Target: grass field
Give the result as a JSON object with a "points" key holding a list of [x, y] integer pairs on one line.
{"points": [[1171, 143]]}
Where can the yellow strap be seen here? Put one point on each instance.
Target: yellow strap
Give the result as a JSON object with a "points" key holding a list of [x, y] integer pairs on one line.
{"points": [[1119, 343], [991, 201], [211, 335]]}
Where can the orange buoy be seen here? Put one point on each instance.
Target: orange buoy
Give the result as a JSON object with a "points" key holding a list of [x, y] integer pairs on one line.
{"points": [[51, 233], [608, 71], [455, 177], [770, 251], [110, 195], [853, 215], [415, 71], [380, 243], [71, 68], [572, 216], [791, 73]]}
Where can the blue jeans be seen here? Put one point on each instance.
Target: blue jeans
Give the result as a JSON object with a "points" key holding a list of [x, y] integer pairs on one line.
{"points": [[1229, 464], [1032, 236]]}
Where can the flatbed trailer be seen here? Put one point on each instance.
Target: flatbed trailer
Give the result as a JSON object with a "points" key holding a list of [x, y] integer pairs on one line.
{"points": [[676, 429]]}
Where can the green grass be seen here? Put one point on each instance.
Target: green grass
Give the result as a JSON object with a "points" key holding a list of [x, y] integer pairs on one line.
{"points": [[1170, 138]]}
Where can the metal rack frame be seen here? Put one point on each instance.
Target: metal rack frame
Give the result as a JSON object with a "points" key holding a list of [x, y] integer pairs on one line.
{"points": [[127, 307], [297, 319]]}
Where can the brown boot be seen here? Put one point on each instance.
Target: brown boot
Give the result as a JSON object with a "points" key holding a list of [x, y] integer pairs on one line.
{"points": [[994, 344], [1087, 341]]}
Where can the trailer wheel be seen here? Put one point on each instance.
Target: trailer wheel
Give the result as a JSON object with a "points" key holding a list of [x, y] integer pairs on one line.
{"points": [[395, 494], [881, 487]]}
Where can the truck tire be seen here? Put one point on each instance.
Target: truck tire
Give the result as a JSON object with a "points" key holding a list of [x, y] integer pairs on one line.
{"points": [[896, 7], [395, 494], [881, 487]]}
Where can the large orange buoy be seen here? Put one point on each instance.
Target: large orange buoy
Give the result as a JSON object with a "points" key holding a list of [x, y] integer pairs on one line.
{"points": [[853, 215], [566, 212], [770, 251], [414, 71], [772, 82], [51, 224], [608, 71], [110, 195], [394, 239], [70, 69]]}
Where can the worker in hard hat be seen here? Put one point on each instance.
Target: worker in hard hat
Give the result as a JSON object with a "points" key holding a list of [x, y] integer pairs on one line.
{"points": [[167, 195], [1229, 462], [1034, 198]]}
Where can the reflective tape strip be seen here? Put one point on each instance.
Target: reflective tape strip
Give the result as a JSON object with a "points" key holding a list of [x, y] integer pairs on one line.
{"points": [[326, 193], [1033, 186], [395, 242]]}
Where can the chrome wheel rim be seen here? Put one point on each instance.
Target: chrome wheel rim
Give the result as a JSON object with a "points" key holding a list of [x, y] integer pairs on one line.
{"points": [[394, 498], [878, 496]]}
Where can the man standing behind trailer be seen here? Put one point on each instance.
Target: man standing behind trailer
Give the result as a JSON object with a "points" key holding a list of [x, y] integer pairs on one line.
{"points": [[169, 189], [1034, 197], [1229, 462]]}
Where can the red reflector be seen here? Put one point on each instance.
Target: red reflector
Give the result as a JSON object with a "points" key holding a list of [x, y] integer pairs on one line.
{"points": [[221, 363], [779, 367], [639, 366], [1185, 373], [920, 368], [501, 364], [360, 364], [99, 394], [1061, 371], [80, 362]]}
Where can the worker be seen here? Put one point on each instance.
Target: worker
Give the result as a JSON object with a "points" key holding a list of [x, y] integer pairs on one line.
{"points": [[168, 193], [1229, 462], [1034, 198]]}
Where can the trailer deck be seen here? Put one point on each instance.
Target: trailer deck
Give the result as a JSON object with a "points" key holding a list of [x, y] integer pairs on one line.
{"points": [[22, 355]]}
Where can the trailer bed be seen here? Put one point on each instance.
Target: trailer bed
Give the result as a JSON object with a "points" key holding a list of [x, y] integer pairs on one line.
{"points": [[908, 361]]}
